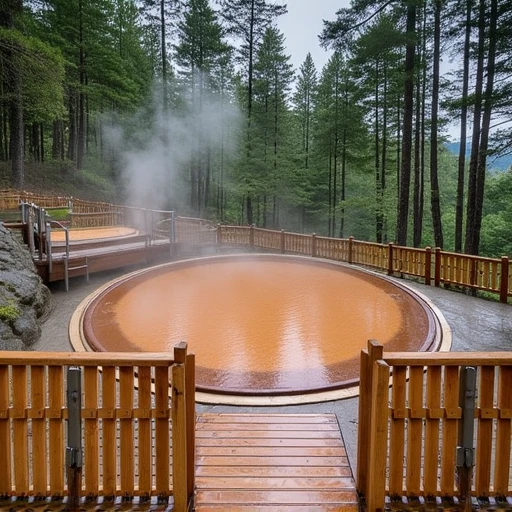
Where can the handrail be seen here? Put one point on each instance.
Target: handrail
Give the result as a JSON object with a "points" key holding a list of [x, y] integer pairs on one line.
{"points": [[49, 254], [86, 358]]}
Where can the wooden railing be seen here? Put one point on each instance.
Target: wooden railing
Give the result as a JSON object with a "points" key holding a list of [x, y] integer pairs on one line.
{"points": [[442, 267], [410, 414], [332, 248], [195, 231], [235, 235], [11, 200], [370, 254], [432, 267], [138, 424]]}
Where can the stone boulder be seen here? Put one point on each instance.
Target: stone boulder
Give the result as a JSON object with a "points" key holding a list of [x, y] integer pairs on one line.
{"points": [[24, 300]]}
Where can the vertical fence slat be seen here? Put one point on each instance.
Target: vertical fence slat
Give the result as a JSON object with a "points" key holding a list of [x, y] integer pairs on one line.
{"points": [[91, 448], [39, 464], [397, 432], [5, 434], [415, 431], [56, 446], [485, 428], [452, 415], [145, 465], [503, 433], [20, 431], [109, 448], [126, 386], [432, 431], [190, 377], [162, 437], [363, 430], [378, 437], [179, 438]]}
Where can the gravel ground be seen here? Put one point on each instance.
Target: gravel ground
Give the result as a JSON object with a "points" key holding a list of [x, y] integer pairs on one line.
{"points": [[476, 324]]}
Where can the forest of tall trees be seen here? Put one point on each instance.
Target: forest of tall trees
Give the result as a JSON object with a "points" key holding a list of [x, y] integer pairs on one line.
{"points": [[355, 148]]}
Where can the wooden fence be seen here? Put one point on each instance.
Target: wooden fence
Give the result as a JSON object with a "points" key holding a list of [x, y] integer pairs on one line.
{"points": [[442, 267], [138, 436], [11, 200], [193, 231], [410, 420], [431, 266]]}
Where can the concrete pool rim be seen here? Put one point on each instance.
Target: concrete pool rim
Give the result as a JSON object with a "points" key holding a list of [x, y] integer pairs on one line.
{"points": [[441, 340]]}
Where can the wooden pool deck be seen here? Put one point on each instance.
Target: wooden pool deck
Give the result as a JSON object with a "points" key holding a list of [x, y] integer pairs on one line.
{"points": [[272, 462]]}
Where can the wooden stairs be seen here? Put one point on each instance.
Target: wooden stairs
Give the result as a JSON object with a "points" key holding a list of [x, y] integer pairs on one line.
{"points": [[272, 462]]}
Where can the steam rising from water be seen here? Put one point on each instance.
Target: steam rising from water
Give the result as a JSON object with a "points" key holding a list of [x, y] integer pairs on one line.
{"points": [[158, 150]]}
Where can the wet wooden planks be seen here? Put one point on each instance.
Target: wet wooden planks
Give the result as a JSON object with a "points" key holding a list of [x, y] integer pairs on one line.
{"points": [[272, 462]]}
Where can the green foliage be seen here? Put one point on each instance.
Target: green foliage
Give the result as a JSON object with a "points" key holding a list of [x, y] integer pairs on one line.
{"points": [[326, 159], [57, 213], [9, 312], [41, 67]]}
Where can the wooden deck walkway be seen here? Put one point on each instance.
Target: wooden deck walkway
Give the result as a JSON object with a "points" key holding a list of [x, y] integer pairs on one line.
{"points": [[272, 462]]}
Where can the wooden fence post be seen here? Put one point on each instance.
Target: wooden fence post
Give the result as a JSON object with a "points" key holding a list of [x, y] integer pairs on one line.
{"points": [[179, 429], [350, 250], [504, 279], [368, 358], [313, 245], [428, 264], [251, 236], [282, 242], [437, 267], [190, 396], [390, 259], [378, 437]]}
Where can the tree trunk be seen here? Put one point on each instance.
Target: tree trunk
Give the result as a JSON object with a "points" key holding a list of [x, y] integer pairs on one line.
{"points": [[208, 178], [398, 149], [330, 193], [405, 180], [72, 142], [248, 206], [417, 191], [3, 115], [384, 151], [163, 44], [419, 139], [41, 141], [81, 96], [470, 246], [251, 60], [459, 209], [434, 180], [16, 146], [378, 191], [343, 180], [486, 123], [34, 142]]}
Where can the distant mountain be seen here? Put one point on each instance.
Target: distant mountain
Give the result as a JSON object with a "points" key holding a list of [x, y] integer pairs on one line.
{"points": [[501, 163]]}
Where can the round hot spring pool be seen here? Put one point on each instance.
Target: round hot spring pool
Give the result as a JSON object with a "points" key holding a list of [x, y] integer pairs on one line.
{"points": [[259, 324]]}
